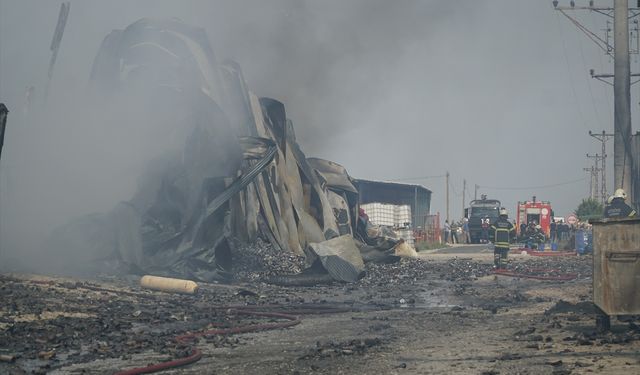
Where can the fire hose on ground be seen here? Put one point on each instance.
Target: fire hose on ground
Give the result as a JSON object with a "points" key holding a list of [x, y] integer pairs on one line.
{"points": [[537, 274], [196, 354]]}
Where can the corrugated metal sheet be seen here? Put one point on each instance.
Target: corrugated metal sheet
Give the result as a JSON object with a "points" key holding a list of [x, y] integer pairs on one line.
{"points": [[340, 257]]}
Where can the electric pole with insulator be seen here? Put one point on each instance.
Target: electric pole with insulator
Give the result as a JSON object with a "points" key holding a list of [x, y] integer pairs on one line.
{"points": [[603, 138], [621, 14]]}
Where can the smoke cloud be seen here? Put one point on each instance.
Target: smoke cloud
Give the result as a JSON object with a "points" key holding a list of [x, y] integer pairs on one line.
{"points": [[495, 92]]}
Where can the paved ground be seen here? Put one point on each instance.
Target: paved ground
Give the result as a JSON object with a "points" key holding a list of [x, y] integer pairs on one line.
{"points": [[462, 249]]}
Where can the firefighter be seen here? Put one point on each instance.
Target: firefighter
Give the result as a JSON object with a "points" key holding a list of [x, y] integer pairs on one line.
{"points": [[616, 206], [485, 223], [502, 231]]}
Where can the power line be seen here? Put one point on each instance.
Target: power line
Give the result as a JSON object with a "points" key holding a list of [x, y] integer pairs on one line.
{"points": [[593, 100], [603, 44], [455, 191], [600, 63], [620, 52], [566, 59], [533, 187]]}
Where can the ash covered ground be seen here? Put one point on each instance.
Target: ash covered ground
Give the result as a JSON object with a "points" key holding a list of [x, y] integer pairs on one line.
{"points": [[436, 314]]}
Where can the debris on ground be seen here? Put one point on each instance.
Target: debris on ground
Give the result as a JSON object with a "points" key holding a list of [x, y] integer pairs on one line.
{"points": [[406, 307]]}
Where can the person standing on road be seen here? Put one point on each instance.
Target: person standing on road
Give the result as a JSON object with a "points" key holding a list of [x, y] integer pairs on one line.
{"points": [[485, 223], [454, 233], [502, 231], [562, 230], [552, 230], [617, 207], [465, 230], [447, 231]]}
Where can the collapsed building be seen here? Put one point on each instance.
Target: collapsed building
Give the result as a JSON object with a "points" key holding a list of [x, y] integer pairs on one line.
{"points": [[240, 176]]}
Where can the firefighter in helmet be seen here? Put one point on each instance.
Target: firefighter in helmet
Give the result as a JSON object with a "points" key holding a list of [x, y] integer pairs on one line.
{"points": [[502, 231], [616, 206]]}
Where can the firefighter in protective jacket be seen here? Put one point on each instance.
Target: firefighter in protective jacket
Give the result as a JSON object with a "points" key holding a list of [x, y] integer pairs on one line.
{"points": [[616, 206], [502, 231]]}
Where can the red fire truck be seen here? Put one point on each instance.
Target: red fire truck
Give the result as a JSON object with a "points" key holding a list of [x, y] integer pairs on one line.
{"points": [[534, 211]]}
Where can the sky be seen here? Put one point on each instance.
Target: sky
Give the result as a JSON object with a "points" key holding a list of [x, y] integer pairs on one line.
{"points": [[495, 92]]}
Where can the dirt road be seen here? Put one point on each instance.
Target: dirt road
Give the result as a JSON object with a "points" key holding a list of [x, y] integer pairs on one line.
{"points": [[443, 313]]}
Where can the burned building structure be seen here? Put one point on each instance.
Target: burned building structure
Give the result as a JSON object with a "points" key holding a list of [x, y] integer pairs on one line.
{"points": [[239, 176]]}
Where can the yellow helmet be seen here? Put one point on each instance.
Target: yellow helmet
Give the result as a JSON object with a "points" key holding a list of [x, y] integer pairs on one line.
{"points": [[620, 193]]}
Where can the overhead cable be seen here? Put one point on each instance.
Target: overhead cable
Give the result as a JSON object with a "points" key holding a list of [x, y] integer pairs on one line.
{"points": [[533, 187]]}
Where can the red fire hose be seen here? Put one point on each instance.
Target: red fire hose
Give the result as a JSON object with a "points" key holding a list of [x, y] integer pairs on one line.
{"points": [[538, 274], [196, 354]]}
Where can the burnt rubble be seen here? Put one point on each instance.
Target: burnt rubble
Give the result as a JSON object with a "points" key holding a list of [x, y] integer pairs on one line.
{"points": [[260, 260], [239, 180], [50, 324]]}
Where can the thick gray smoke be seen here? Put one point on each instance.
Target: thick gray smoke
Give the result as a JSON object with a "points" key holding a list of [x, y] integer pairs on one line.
{"points": [[496, 92]]}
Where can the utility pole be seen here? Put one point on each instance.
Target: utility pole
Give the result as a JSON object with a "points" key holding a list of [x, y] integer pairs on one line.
{"points": [[593, 177], [621, 14], [595, 170], [464, 192], [3, 126], [622, 99], [447, 195], [55, 42], [475, 193], [603, 138]]}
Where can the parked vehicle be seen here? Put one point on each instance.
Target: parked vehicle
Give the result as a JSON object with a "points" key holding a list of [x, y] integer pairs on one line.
{"points": [[534, 212], [481, 213]]}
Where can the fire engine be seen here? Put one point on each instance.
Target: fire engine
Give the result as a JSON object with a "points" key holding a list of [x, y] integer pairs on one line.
{"points": [[534, 211]]}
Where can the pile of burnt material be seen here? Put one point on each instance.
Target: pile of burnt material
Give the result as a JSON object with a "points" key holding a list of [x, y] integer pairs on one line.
{"points": [[240, 176]]}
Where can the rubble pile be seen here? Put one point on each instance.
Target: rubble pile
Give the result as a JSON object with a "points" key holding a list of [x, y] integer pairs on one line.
{"points": [[238, 175], [46, 325], [580, 266], [50, 324], [69, 328], [333, 349], [595, 338], [562, 314], [408, 271], [260, 260]]}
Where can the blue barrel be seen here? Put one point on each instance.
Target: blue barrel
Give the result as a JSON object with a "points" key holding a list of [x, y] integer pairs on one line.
{"points": [[581, 241], [589, 241]]}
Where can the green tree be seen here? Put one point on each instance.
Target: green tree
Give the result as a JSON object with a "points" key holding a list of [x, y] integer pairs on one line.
{"points": [[589, 209]]}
